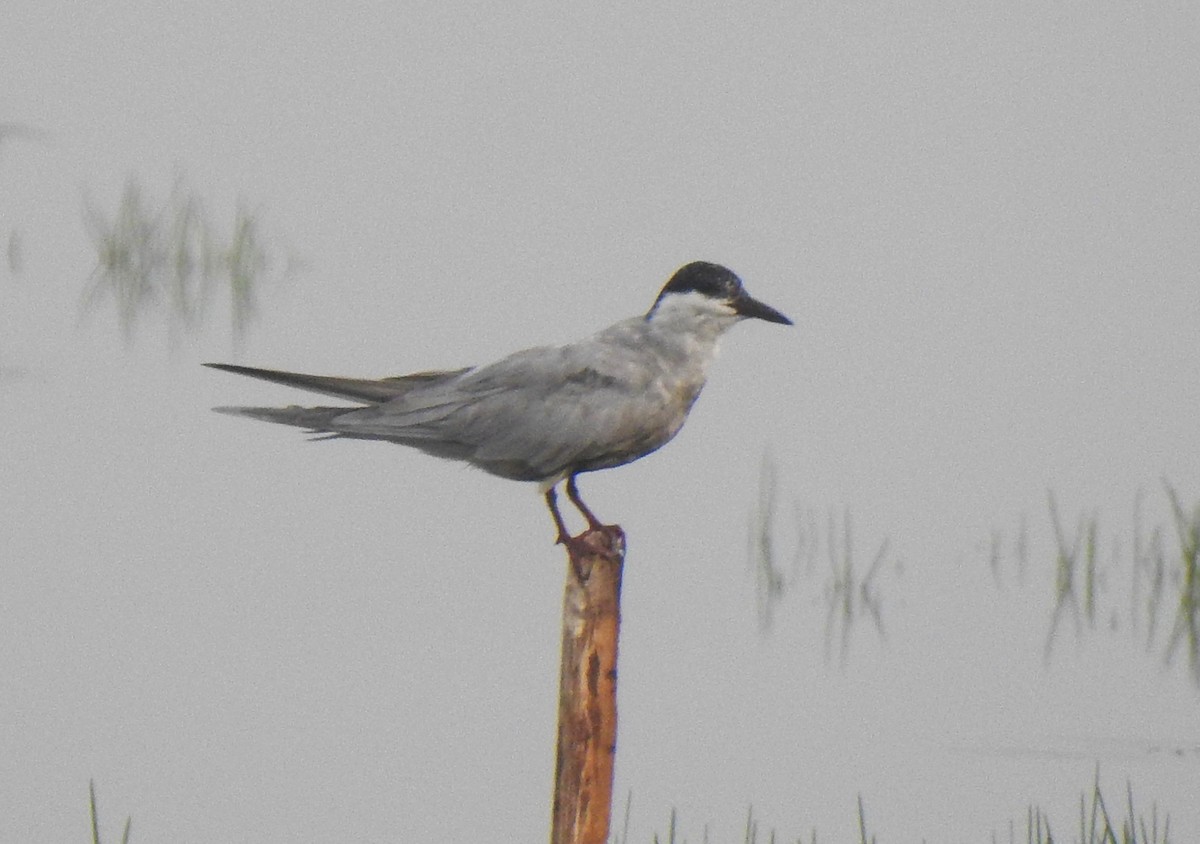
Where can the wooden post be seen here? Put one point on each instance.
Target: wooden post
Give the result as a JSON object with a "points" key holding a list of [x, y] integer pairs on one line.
{"points": [[587, 694]]}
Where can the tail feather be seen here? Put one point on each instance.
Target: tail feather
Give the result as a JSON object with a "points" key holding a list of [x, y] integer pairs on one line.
{"points": [[318, 420]]}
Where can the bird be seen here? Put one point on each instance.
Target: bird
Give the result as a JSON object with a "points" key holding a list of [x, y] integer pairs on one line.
{"points": [[550, 413]]}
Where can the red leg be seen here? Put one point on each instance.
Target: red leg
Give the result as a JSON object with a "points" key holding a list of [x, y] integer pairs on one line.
{"points": [[552, 502], [573, 494]]}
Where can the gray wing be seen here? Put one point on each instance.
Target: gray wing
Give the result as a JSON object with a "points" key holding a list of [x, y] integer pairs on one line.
{"points": [[535, 415], [539, 413]]}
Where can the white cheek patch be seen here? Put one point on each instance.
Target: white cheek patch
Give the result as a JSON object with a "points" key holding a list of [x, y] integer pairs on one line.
{"points": [[693, 304]]}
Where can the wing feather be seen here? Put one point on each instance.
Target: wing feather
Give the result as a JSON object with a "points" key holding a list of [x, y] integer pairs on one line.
{"points": [[364, 390]]}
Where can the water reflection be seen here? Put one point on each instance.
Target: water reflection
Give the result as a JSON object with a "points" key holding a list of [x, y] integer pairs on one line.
{"points": [[1186, 630], [1155, 585], [168, 257], [14, 249], [850, 593], [1067, 574], [1153, 591], [14, 253]]}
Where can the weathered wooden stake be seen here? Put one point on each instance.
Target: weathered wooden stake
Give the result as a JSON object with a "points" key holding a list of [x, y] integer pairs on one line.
{"points": [[587, 693]]}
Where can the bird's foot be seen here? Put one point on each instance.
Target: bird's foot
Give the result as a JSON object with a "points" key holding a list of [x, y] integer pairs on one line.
{"points": [[606, 541]]}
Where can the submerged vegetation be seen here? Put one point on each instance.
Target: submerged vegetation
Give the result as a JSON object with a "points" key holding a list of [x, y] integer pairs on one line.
{"points": [[1152, 591], [850, 593], [1163, 580], [95, 817], [168, 257], [1097, 824], [14, 251]]}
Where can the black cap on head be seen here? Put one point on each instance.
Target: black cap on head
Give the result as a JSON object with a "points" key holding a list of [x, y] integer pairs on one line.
{"points": [[721, 284], [713, 280]]}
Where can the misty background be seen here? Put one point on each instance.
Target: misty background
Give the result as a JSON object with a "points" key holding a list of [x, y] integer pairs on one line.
{"points": [[984, 221]]}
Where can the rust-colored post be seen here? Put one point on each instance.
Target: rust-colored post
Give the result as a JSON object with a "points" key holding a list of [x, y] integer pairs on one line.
{"points": [[587, 694]]}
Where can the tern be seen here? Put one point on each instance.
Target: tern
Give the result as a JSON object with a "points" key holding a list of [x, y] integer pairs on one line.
{"points": [[550, 413]]}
